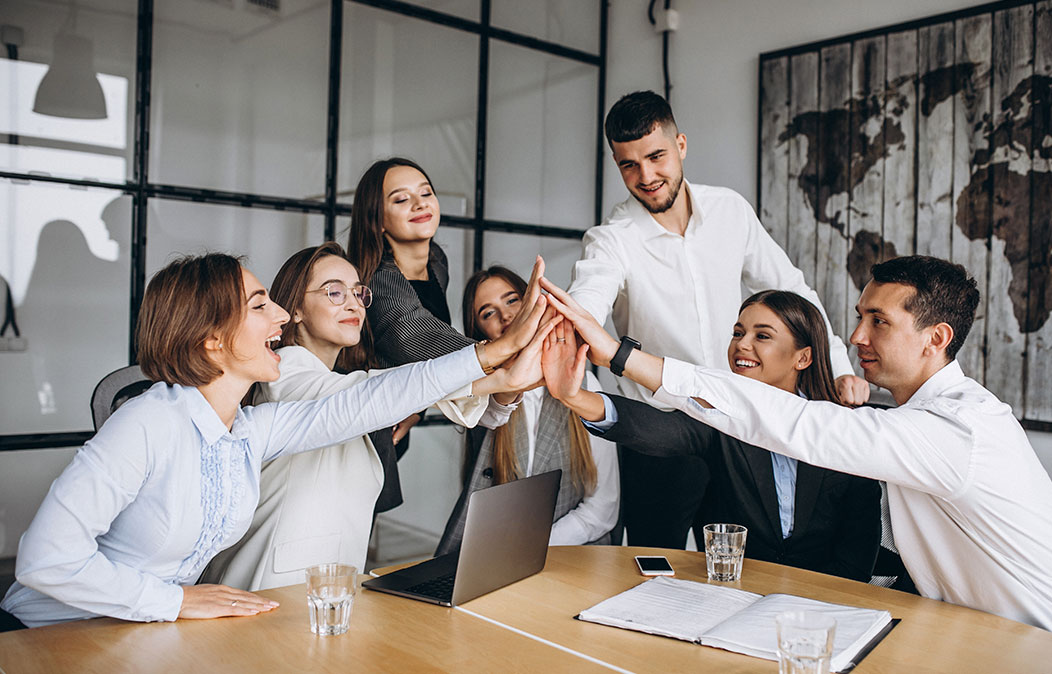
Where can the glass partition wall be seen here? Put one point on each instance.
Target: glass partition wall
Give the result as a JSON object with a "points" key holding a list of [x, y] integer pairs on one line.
{"points": [[133, 131]]}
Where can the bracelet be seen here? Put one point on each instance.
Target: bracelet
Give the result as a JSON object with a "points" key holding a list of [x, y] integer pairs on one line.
{"points": [[480, 353]]}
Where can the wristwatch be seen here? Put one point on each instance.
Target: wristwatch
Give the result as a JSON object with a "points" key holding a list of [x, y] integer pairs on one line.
{"points": [[617, 363]]}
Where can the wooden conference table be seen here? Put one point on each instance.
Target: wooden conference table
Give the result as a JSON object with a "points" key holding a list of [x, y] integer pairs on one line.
{"points": [[525, 627]]}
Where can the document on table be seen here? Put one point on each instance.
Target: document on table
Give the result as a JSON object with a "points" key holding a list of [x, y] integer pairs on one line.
{"points": [[731, 619]]}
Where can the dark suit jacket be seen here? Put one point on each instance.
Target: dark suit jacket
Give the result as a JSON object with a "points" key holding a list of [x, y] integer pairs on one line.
{"points": [[836, 523], [404, 331]]}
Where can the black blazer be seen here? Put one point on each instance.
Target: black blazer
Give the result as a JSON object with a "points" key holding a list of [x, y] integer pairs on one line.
{"points": [[836, 523], [404, 331]]}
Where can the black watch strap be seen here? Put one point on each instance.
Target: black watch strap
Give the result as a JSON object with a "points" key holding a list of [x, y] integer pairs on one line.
{"points": [[617, 363]]}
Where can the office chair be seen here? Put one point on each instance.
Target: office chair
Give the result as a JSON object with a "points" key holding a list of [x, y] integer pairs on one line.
{"points": [[114, 390]]}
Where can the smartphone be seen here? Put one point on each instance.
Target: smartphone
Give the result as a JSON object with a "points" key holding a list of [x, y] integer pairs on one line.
{"points": [[654, 566]]}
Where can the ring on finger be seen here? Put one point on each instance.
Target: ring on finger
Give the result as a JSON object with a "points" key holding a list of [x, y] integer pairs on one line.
{"points": [[560, 339], [234, 603]]}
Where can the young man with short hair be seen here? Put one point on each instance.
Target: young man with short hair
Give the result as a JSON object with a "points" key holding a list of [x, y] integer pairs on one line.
{"points": [[970, 503], [669, 264]]}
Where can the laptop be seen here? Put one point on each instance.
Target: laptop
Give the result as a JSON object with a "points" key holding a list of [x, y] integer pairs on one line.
{"points": [[506, 535]]}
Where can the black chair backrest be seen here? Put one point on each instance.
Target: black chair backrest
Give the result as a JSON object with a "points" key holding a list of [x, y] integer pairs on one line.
{"points": [[114, 390]]}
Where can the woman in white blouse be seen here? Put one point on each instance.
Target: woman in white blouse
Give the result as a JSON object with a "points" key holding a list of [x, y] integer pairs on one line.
{"points": [[172, 478], [542, 434], [317, 506]]}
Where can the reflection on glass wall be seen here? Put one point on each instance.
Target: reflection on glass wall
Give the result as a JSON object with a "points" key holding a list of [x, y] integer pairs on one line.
{"points": [[266, 238], [570, 23], [239, 96], [409, 88], [65, 262], [518, 251], [541, 138], [66, 84], [465, 9]]}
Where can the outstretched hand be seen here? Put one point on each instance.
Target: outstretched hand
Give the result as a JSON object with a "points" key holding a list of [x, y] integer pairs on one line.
{"points": [[563, 362], [524, 372], [603, 347], [218, 601], [525, 325]]}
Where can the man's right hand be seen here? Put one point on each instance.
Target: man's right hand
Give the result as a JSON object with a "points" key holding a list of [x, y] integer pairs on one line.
{"points": [[218, 601]]}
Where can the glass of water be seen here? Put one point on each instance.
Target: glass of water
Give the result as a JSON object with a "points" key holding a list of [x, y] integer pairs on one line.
{"points": [[330, 597], [805, 642], [724, 550]]}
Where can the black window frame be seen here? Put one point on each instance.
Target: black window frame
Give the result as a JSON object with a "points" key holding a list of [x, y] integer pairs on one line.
{"points": [[142, 190]]}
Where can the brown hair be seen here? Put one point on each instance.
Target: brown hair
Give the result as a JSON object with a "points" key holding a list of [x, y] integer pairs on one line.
{"points": [[290, 289], [808, 329], [189, 301], [505, 469], [366, 243]]}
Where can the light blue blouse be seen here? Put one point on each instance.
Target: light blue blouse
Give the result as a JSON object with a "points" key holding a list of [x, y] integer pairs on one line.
{"points": [[164, 486]]}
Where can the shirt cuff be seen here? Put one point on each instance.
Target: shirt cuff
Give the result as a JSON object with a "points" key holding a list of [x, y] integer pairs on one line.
{"points": [[606, 423], [681, 382]]}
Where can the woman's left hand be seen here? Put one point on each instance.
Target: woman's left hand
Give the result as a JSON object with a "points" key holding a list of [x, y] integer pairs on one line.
{"points": [[218, 601], [401, 429], [525, 372]]}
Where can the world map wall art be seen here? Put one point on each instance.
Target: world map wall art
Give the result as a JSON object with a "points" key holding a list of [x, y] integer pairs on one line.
{"points": [[934, 138]]}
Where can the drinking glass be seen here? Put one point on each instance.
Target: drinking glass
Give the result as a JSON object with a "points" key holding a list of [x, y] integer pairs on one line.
{"points": [[805, 642], [330, 597], [724, 550]]}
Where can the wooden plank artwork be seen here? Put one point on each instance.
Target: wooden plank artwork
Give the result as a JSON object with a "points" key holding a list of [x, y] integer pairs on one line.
{"points": [[833, 183], [1039, 340], [934, 139], [802, 135]]}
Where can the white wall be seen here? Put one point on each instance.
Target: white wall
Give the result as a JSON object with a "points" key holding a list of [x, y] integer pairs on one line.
{"points": [[714, 62]]}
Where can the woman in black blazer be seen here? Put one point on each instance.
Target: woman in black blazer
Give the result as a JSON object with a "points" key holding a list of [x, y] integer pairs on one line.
{"points": [[393, 222], [797, 514]]}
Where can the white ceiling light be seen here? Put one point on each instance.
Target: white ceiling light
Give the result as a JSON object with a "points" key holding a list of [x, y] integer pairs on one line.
{"points": [[70, 87]]}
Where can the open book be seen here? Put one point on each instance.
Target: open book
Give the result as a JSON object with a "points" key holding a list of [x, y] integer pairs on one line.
{"points": [[734, 620]]}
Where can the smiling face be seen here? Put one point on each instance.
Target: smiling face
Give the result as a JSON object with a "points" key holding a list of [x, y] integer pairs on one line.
{"points": [[496, 306], [411, 211], [893, 352], [323, 327], [250, 357], [652, 167], [763, 348]]}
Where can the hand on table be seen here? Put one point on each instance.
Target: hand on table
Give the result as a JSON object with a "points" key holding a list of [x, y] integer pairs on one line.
{"points": [[217, 601]]}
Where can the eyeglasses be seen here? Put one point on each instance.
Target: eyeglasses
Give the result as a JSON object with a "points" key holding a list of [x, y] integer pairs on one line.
{"points": [[337, 293]]}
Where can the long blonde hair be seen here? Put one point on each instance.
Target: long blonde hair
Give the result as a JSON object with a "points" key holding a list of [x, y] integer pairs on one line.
{"points": [[505, 468]]}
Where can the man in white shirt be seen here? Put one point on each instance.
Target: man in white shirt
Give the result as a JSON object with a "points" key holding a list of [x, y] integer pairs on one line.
{"points": [[970, 503], [670, 264]]}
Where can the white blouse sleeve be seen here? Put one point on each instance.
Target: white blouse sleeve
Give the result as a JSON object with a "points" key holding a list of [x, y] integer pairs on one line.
{"points": [[596, 514], [59, 556], [374, 403]]}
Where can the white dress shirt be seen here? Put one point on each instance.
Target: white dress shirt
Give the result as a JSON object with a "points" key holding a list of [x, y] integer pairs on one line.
{"points": [[597, 512], [970, 503], [164, 486], [315, 507], [679, 295]]}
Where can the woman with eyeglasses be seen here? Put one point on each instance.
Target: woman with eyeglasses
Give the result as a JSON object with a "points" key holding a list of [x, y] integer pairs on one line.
{"points": [[172, 478], [318, 507]]}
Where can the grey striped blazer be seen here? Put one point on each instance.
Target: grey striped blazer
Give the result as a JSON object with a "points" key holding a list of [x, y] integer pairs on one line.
{"points": [[551, 451], [403, 330]]}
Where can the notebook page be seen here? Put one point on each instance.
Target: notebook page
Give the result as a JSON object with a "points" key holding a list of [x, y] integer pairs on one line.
{"points": [[681, 609], [753, 632]]}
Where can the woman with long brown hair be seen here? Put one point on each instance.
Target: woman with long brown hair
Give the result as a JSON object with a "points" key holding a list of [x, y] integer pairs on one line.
{"points": [[796, 513], [172, 477], [542, 435], [318, 507]]}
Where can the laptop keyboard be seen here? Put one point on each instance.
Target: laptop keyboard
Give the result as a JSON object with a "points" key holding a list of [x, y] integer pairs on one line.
{"points": [[440, 588]]}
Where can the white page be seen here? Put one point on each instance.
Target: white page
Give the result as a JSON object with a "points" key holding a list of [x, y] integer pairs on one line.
{"points": [[681, 609], [753, 631]]}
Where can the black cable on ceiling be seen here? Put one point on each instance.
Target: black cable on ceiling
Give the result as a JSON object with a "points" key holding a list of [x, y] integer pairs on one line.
{"points": [[665, 37]]}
